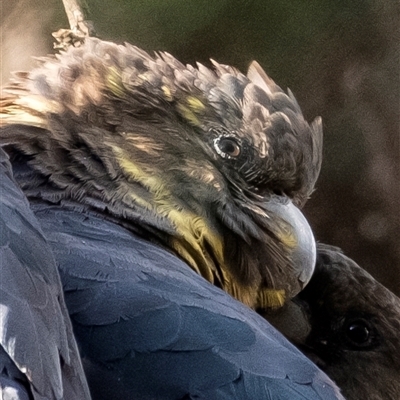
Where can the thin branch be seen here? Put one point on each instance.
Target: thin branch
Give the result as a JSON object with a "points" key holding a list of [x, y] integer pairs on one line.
{"points": [[76, 16], [80, 27]]}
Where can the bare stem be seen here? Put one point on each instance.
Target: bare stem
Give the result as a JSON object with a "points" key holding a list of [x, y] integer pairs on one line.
{"points": [[80, 27], [75, 13]]}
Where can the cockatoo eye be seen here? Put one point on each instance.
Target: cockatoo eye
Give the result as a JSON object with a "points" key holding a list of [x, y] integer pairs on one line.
{"points": [[360, 334], [227, 147]]}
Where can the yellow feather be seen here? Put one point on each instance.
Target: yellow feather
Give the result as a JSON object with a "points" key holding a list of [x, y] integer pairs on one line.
{"points": [[287, 237], [271, 298], [245, 294], [195, 104], [194, 237], [188, 114], [194, 234], [114, 82], [167, 93]]}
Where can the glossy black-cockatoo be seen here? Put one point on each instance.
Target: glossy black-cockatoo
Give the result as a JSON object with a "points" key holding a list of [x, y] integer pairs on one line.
{"points": [[157, 185], [348, 324]]}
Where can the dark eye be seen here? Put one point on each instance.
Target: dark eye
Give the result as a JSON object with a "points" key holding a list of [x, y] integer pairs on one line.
{"points": [[359, 333], [227, 147]]}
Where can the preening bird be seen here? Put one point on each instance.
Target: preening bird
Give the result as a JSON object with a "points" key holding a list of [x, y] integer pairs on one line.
{"points": [[350, 327], [38, 354], [157, 185], [206, 163]]}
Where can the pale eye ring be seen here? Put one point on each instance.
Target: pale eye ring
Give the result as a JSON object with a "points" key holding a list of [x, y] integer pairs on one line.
{"points": [[227, 146]]}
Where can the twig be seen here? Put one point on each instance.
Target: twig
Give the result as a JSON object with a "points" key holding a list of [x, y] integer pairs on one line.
{"points": [[80, 27]]}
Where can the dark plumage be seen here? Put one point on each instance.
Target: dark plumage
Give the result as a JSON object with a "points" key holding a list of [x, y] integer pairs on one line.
{"points": [[350, 327], [151, 328], [38, 354], [148, 326], [138, 166], [206, 163]]}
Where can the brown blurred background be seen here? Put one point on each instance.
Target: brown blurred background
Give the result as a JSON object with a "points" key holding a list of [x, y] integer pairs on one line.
{"points": [[340, 58]]}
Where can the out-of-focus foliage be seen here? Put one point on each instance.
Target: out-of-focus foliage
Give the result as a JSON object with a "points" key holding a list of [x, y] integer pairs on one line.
{"points": [[340, 58]]}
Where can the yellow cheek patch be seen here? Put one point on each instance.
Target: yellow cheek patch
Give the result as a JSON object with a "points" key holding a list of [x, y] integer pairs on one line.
{"points": [[195, 241], [194, 236], [137, 174], [253, 296], [245, 294]]}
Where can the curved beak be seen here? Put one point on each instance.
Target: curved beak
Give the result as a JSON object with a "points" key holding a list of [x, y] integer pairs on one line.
{"points": [[292, 229]]}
